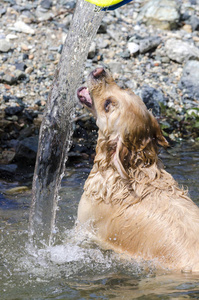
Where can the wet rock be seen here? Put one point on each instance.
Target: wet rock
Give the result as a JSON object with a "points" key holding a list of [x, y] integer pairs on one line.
{"points": [[190, 79], [26, 150], [26, 132], [13, 110], [152, 97], [149, 44], [164, 14], [30, 115], [181, 51], [11, 98], [8, 171], [5, 46], [6, 156]]}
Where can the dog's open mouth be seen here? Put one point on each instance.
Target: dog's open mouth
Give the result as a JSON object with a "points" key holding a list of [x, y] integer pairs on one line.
{"points": [[84, 96]]}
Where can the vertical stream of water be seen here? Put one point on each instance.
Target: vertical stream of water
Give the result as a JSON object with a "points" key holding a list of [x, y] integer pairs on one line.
{"points": [[56, 128]]}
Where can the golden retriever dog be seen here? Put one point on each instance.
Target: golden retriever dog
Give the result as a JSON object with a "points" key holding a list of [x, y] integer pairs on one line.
{"points": [[130, 203]]}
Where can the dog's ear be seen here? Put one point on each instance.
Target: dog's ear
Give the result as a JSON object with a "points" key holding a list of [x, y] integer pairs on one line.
{"points": [[139, 148], [157, 133]]}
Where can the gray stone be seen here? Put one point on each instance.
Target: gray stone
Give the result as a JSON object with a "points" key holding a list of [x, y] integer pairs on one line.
{"points": [[20, 26], [149, 44], [181, 51], [2, 10], [68, 4], [165, 59], [152, 97], [5, 46], [130, 84], [164, 14], [103, 44], [115, 67], [20, 66], [190, 79], [19, 74], [125, 54], [26, 150], [194, 22], [46, 4], [43, 16], [9, 79], [115, 35]]}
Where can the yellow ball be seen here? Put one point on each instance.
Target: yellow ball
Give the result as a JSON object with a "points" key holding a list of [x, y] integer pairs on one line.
{"points": [[104, 3]]}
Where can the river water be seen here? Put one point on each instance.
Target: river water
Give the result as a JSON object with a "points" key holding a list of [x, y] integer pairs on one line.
{"points": [[75, 268]]}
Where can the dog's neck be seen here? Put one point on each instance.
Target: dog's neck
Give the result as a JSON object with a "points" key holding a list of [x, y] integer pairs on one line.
{"points": [[111, 152], [105, 181]]}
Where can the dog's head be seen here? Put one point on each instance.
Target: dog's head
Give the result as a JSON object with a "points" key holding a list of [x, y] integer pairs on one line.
{"points": [[131, 131]]}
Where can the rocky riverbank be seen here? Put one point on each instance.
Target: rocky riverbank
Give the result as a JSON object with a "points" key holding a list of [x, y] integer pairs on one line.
{"points": [[152, 47]]}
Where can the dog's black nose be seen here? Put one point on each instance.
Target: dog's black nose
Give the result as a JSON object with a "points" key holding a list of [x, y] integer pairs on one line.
{"points": [[99, 72]]}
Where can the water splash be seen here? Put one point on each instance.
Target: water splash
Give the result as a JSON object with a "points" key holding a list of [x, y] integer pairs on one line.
{"points": [[56, 129]]}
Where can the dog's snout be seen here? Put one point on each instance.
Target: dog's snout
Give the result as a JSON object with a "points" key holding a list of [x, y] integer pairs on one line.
{"points": [[99, 72]]}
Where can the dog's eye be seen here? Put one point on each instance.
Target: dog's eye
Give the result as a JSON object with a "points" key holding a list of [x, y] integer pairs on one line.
{"points": [[107, 105]]}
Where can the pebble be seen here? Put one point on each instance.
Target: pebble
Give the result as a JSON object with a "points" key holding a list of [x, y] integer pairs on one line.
{"points": [[21, 66], [92, 50], [2, 11], [43, 15], [11, 37], [133, 47], [5, 46], [46, 4], [20, 26], [149, 44], [9, 79], [24, 47]]}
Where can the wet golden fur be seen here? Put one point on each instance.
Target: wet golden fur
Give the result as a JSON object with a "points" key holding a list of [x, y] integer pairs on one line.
{"points": [[130, 203]]}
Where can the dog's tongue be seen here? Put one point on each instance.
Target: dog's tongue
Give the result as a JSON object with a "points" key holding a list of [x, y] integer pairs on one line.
{"points": [[84, 96]]}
